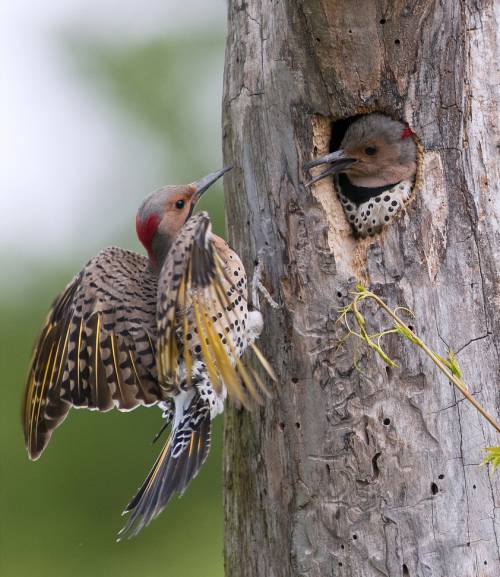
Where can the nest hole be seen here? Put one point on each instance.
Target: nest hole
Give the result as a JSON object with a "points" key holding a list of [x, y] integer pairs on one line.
{"points": [[339, 128], [372, 200]]}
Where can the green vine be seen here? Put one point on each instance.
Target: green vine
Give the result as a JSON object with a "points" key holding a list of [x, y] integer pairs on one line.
{"points": [[447, 365]]}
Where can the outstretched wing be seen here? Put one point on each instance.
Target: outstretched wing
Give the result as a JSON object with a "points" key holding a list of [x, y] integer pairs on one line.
{"points": [[203, 314], [97, 347]]}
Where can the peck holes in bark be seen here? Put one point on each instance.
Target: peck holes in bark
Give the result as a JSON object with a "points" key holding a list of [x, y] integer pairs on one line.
{"points": [[373, 162], [434, 489]]}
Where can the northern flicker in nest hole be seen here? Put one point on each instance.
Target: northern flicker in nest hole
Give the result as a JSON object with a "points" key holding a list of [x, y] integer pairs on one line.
{"points": [[168, 329], [374, 171]]}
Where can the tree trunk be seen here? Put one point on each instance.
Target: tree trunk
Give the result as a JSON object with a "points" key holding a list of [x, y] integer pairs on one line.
{"points": [[352, 469]]}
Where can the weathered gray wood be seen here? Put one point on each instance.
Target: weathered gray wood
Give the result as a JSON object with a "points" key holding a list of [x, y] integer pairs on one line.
{"points": [[369, 473]]}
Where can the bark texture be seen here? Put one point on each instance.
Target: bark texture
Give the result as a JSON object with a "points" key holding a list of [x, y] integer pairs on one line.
{"points": [[369, 472]]}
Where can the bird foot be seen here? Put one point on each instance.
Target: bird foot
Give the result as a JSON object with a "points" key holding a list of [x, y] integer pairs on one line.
{"points": [[257, 285]]}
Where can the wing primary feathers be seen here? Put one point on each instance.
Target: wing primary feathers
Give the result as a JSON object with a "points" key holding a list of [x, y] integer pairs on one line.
{"points": [[195, 282], [67, 366], [97, 350], [264, 362], [115, 365], [207, 357], [78, 349], [188, 357]]}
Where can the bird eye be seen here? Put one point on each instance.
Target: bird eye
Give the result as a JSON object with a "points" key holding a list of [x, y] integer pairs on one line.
{"points": [[370, 150], [179, 204]]}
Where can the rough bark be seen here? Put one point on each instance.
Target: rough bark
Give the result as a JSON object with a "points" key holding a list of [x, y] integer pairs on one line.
{"points": [[365, 472]]}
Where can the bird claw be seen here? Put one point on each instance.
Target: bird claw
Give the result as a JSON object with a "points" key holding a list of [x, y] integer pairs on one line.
{"points": [[257, 285]]}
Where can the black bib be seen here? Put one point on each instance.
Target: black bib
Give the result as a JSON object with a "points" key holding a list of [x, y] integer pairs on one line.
{"points": [[360, 194]]}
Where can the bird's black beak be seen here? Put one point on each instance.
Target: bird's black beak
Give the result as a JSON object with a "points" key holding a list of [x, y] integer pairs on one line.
{"points": [[338, 161], [206, 182]]}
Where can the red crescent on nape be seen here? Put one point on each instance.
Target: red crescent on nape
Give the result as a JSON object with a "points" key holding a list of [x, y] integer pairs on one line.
{"points": [[146, 231], [406, 133]]}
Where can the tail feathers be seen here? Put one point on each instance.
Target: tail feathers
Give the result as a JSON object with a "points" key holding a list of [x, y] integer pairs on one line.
{"points": [[179, 461]]}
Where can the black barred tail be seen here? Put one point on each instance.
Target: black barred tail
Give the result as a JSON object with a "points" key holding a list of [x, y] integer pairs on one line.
{"points": [[179, 461]]}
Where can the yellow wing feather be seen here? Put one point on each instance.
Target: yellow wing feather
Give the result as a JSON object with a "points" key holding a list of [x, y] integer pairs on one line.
{"points": [[193, 298]]}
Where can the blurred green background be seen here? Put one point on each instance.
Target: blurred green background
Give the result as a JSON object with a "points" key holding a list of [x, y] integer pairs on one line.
{"points": [[102, 103]]}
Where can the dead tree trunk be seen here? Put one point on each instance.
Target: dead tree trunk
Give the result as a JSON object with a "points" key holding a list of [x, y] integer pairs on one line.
{"points": [[365, 472]]}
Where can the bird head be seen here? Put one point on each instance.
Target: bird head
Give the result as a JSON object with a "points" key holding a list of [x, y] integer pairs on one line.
{"points": [[165, 211], [375, 151]]}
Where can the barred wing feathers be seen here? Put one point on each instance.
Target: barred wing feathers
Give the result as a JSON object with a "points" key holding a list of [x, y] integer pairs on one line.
{"points": [[203, 314], [96, 349]]}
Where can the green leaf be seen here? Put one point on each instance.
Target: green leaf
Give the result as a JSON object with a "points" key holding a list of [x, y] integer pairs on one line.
{"points": [[452, 364], [492, 457]]}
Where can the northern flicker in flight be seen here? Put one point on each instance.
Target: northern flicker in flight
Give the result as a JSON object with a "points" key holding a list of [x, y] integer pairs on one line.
{"points": [[374, 171], [167, 329]]}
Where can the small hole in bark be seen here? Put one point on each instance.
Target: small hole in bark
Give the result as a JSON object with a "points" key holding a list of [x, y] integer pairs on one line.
{"points": [[387, 421], [295, 380], [350, 31], [355, 536], [282, 426], [388, 370], [340, 563], [397, 41], [473, 486], [383, 21], [486, 562], [468, 543], [339, 294], [441, 476], [328, 468], [405, 569], [376, 470], [297, 425], [342, 547], [434, 489], [318, 40], [412, 328]]}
